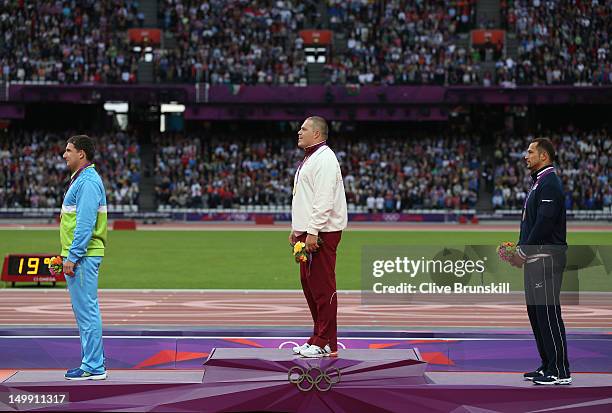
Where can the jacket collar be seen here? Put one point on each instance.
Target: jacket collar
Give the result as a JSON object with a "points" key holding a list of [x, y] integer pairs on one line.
{"points": [[540, 171], [312, 148]]}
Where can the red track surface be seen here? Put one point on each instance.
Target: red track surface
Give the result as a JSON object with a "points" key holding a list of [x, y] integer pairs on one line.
{"points": [[288, 308], [21, 307]]}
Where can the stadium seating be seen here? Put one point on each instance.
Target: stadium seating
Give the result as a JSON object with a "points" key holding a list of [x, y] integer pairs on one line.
{"points": [[258, 42], [47, 41], [233, 41], [224, 42], [402, 42], [380, 174], [33, 173], [559, 43], [428, 171], [585, 167]]}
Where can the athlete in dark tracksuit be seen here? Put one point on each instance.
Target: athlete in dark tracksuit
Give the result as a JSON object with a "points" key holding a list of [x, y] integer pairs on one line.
{"points": [[542, 246]]}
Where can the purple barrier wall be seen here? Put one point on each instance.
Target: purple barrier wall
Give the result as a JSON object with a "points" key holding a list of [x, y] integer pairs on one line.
{"points": [[408, 95], [323, 95], [535, 95], [353, 217], [327, 94], [8, 111], [449, 216], [286, 216], [337, 112], [97, 93]]}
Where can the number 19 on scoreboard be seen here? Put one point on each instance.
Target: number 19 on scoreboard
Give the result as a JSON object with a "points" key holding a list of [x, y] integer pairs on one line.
{"points": [[29, 268]]}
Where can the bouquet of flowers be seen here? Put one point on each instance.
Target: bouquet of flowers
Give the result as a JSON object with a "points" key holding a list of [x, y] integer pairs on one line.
{"points": [[56, 266], [506, 251], [299, 251]]}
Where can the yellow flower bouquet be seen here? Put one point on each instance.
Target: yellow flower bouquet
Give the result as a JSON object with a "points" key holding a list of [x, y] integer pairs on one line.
{"points": [[56, 266], [299, 251]]}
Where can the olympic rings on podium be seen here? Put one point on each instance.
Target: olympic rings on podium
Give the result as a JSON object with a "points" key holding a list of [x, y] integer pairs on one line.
{"points": [[306, 381]]}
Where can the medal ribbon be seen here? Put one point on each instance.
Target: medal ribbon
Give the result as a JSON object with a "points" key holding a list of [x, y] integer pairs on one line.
{"points": [[75, 176], [545, 173], [303, 161]]}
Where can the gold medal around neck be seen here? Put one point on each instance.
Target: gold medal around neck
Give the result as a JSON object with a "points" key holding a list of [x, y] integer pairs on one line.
{"points": [[297, 173]]}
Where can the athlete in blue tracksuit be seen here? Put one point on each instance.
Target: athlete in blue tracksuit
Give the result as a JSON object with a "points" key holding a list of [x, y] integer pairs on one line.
{"points": [[83, 231], [541, 249]]}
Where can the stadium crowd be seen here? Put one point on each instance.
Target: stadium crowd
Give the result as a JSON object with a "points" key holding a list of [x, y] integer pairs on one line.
{"points": [[402, 42], [560, 42], [33, 173], [380, 175], [584, 165], [68, 42], [258, 42], [236, 41]]}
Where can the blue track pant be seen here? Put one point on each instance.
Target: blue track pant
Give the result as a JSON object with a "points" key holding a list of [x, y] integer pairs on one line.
{"points": [[83, 287]]}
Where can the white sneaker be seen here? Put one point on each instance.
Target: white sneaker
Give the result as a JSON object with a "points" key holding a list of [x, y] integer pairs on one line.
{"points": [[316, 351], [552, 380], [298, 349]]}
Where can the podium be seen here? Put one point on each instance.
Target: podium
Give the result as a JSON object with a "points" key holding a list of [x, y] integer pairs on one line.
{"points": [[247, 380], [276, 380], [279, 367]]}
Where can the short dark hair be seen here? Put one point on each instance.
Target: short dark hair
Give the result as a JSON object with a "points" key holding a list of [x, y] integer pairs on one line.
{"points": [[84, 143], [545, 145], [319, 124]]}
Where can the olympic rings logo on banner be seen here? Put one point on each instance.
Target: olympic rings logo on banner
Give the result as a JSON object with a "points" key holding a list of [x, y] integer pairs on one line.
{"points": [[321, 380], [391, 217]]}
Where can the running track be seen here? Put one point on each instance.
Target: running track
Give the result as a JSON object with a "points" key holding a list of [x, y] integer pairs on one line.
{"points": [[167, 309], [216, 309]]}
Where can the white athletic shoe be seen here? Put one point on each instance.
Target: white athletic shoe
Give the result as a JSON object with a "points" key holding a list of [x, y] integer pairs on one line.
{"points": [[298, 349], [552, 380], [316, 351]]}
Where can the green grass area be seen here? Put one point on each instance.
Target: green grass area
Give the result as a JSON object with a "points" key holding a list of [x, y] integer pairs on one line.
{"points": [[247, 259]]}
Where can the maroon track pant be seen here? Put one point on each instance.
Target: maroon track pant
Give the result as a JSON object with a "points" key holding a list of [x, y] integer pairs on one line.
{"points": [[318, 279]]}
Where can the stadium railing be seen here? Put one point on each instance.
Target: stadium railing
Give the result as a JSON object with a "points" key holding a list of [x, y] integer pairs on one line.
{"points": [[283, 213]]}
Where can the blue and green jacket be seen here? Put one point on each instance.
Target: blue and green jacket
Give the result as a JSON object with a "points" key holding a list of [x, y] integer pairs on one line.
{"points": [[83, 225]]}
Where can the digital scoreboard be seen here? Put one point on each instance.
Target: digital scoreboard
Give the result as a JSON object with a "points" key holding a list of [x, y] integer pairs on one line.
{"points": [[29, 268]]}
